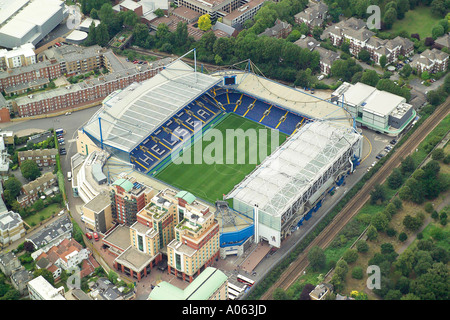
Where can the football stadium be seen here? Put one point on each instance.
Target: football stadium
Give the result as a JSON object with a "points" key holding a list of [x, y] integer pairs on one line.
{"points": [[171, 128]]}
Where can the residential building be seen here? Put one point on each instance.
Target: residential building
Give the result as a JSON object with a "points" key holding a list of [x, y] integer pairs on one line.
{"points": [[20, 279], [354, 32], [321, 291], [28, 73], [186, 14], [215, 8], [25, 21], [236, 17], [17, 57], [41, 289], [97, 213], [196, 242], [103, 289], [211, 284], [128, 197], [336, 31], [281, 29], [313, 16], [45, 185], [327, 57], [42, 157], [143, 8], [443, 42], [68, 254], [11, 227], [87, 92], [149, 235], [53, 234], [432, 61], [9, 263], [75, 59]]}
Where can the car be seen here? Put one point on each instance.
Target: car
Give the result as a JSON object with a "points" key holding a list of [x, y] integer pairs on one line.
{"points": [[95, 236], [61, 213], [68, 113], [393, 141], [374, 163], [88, 235], [380, 155]]}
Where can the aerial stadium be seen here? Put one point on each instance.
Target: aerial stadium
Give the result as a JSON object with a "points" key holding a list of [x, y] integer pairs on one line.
{"points": [[174, 112]]}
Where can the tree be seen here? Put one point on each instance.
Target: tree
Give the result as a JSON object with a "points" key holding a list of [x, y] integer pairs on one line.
{"points": [[13, 186], [350, 256], [362, 246], [306, 291], [101, 34], [395, 180], [204, 22], [370, 77], [380, 221], [405, 72], [432, 285], [140, 34], [378, 193], [46, 274], [279, 294], [372, 233], [30, 170], [389, 17], [407, 165], [438, 154], [317, 258], [437, 31], [439, 8], [159, 13], [383, 61], [364, 55]]}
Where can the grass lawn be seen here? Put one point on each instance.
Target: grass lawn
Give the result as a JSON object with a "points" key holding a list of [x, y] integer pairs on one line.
{"points": [[45, 213], [211, 181], [420, 20]]}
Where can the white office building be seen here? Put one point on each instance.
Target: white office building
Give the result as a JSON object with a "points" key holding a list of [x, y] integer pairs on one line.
{"points": [[29, 21], [41, 289]]}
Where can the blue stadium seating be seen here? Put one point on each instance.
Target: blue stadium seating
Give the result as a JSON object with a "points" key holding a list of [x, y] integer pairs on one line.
{"points": [[289, 125], [167, 137]]}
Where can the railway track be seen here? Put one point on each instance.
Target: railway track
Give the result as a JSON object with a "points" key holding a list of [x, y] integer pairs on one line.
{"points": [[296, 268]]}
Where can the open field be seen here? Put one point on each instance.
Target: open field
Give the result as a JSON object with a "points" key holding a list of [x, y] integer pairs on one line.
{"points": [[211, 181], [420, 20]]}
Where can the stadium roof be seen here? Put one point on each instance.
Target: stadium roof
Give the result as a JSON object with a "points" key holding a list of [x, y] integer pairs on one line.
{"points": [[289, 98], [142, 107], [202, 288], [290, 171]]}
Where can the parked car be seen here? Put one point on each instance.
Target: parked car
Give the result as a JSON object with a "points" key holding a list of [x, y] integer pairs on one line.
{"points": [[88, 235], [393, 141], [96, 236]]}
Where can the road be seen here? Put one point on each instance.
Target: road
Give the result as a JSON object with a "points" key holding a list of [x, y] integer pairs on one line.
{"points": [[296, 268]]}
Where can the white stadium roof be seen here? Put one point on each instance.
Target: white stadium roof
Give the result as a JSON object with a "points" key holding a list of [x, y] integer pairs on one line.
{"points": [[141, 108], [292, 169], [289, 98]]}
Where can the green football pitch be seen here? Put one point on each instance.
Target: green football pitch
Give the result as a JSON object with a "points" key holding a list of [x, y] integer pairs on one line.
{"points": [[223, 162]]}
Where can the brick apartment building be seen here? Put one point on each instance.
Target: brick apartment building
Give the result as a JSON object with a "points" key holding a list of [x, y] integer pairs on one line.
{"points": [[43, 185], [89, 91], [42, 157], [128, 197]]}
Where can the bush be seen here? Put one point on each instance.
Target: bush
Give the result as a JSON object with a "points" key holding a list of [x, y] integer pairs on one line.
{"points": [[350, 256], [402, 237], [362, 246], [357, 273], [391, 232]]}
